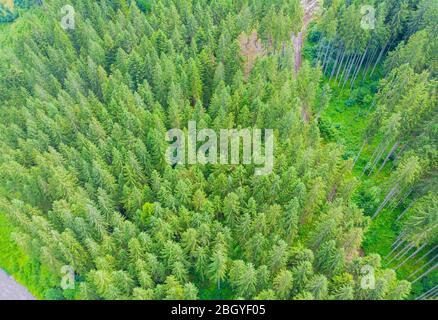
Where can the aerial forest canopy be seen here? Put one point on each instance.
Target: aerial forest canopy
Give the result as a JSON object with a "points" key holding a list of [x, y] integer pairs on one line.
{"points": [[84, 182]]}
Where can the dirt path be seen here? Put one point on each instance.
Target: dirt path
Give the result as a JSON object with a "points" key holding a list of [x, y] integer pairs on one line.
{"points": [[309, 8], [12, 290]]}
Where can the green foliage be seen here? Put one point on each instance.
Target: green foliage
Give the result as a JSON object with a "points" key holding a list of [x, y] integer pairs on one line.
{"points": [[84, 183]]}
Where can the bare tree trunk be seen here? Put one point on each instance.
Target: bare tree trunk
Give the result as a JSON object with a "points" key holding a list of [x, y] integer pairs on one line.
{"points": [[335, 64], [358, 69], [411, 256], [429, 293], [394, 198], [372, 157], [347, 65], [403, 198], [432, 295], [394, 147], [387, 47], [429, 252], [344, 69], [400, 237], [328, 59], [405, 211], [320, 49], [394, 202], [403, 251], [347, 76], [406, 252], [368, 63], [379, 156], [340, 65], [325, 55], [422, 267], [359, 153], [385, 201], [379, 58], [394, 249], [426, 273], [398, 156]]}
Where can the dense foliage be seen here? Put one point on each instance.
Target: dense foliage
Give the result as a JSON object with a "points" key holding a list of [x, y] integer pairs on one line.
{"points": [[401, 137], [84, 115]]}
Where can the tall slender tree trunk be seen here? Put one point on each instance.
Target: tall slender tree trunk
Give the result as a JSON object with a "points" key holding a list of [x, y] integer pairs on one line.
{"points": [[347, 76], [426, 273], [368, 165], [325, 69], [432, 294], [411, 256], [394, 201], [320, 49], [406, 252], [395, 249], [385, 201], [405, 211], [378, 156], [346, 66], [388, 44], [403, 251], [398, 156], [370, 62], [429, 293], [340, 65], [379, 57], [359, 153], [394, 198], [325, 55], [403, 198], [356, 66], [399, 238], [422, 267], [429, 252]]}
